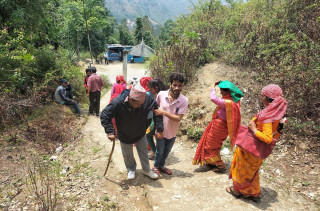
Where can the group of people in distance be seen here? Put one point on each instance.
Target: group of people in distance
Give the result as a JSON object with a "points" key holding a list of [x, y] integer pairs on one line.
{"points": [[148, 109], [93, 84]]}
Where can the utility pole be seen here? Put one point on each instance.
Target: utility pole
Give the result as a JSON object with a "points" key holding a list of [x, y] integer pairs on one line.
{"points": [[125, 61]]}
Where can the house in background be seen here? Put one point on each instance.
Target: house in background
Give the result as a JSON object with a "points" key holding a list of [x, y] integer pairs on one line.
{"points": [[115, 53]]}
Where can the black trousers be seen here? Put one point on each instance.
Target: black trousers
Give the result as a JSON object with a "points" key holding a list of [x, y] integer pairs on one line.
{"points": [[94, 98]]}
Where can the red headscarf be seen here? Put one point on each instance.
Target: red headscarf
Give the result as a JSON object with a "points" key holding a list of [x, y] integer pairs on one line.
{"points": [[144, 82], [121, 79], [275, 110]]}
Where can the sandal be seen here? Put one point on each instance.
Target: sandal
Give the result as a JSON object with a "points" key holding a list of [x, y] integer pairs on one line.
{"points": [[219, 169], [156, 170], [166, 170], [231, 191]]}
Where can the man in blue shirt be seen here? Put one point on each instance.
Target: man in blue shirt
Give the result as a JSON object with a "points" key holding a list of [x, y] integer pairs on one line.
{"points": [[61, 98]]}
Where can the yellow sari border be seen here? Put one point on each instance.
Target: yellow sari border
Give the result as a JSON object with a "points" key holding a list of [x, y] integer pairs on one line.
{"points": [[229, 120]]}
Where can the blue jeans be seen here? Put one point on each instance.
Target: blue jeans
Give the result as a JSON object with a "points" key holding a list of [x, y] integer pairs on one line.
{"points": [[75, 106], [163, 149]]}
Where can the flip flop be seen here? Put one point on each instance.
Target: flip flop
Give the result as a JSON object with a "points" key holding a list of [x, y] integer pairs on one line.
{"points": [[218, 169], [166, 170], [230, 190]]}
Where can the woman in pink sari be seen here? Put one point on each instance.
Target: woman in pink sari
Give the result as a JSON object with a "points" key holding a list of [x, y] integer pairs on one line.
{"points": [[118, 87]]}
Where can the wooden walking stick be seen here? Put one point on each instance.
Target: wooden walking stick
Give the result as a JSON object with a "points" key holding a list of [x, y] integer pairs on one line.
{"points": [[114, 141]]}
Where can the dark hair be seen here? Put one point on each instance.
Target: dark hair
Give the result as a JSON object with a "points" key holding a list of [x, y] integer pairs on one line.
{"points": [[156, 83], [176, 77], [269, 99], [225, 89], [94, 69], [88, 70]]}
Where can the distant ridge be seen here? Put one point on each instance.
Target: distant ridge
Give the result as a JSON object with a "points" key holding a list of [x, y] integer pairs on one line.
{"points": [[158, 11]]}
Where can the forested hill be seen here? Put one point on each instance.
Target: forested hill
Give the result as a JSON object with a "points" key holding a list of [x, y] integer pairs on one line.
{"points": [[158, 11]]}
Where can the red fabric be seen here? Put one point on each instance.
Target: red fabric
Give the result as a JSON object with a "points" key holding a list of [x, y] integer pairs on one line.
{"points": [[120, 79], [275, 110], [138, 93], [236, 119], [144, 82], [86, 81], [208, 150], [118, 88]]}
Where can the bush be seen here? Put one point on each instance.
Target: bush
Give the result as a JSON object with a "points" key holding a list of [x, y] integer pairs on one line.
{"points": [[195, 133]]}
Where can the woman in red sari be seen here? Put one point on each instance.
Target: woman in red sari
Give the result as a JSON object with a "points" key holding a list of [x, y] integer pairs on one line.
{"points": [[265, 125], [225, 122]]}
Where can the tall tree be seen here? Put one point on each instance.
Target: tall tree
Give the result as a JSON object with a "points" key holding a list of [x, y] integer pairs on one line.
{"points": [[125, 36], [148, 39], [146, 25], [138, 33]]}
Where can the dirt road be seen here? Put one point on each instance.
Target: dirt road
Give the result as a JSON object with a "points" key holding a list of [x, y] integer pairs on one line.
{"points": [[115, 68], [186, 189]]}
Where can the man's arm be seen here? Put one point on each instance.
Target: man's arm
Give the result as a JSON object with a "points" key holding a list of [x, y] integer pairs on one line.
{"points": [[63, 96], [106, 118], [158, 120], [174, 117]]}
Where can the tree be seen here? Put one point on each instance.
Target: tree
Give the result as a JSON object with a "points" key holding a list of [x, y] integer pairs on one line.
{"points": [[138, 33], [146, 25], [125, 36], [148, 39], [166, 31], [101, 26]]}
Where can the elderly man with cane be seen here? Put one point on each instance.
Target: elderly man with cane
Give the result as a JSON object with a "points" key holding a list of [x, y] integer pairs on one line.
{"points": [[130, 110]]}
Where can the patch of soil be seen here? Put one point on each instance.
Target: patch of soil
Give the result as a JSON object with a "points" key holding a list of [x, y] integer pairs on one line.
{"points": [[23, 145]]}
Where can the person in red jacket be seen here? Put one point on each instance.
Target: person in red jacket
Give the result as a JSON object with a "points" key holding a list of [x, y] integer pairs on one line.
{"points": [[86, 78]]}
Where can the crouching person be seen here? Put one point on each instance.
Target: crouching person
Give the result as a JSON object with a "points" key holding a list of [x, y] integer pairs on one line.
{"points": [[62, 98], [130, 110]]}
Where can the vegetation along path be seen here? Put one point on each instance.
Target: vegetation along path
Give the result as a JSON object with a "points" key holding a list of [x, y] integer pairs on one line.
{"points": [[188, 188]]}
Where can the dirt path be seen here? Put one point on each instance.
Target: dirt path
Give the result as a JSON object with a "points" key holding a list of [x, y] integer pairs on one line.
{"points": [[186, 189]]}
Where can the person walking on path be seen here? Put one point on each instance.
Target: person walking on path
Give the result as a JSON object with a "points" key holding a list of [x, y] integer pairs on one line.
{"points": [[173, 105], [95, 84], [225, 121], [266, 127], [130, 110], [61, 98]]}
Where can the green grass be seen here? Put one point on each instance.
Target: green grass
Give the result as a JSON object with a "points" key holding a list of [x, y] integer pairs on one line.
{"points": [[96, 149]]}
